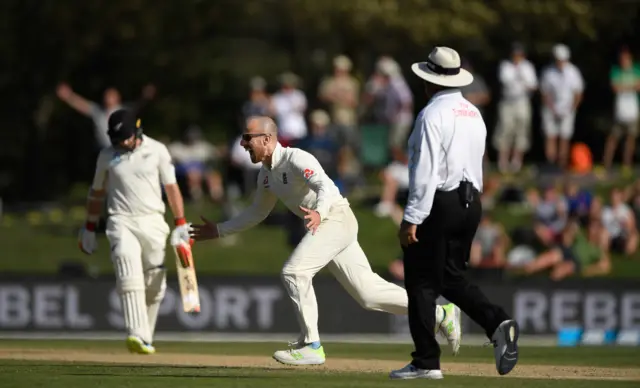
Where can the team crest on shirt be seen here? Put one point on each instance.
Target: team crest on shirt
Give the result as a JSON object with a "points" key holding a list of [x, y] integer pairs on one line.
{"points": [[308, 173], [265, 182]]}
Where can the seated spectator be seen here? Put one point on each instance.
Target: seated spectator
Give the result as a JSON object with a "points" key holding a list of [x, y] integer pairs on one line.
{"points": [[578, 202], [394, 177], [579, 253], [620, 223], [195, 161], [489, 245], [550, 215], [633, 200]]}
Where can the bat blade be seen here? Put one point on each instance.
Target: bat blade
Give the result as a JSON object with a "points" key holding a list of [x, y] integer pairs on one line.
{"points": [[187, 278]]}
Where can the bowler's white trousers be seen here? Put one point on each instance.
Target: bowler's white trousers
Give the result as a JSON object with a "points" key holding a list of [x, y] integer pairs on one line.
{"points": [[138, 252], [335, 244]]}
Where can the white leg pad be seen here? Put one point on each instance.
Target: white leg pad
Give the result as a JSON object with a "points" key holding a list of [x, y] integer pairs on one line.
{"points": [[156, 285]]}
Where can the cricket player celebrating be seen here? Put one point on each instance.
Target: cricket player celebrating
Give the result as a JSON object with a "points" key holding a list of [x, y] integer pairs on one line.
{"points": [[297, 178], [129, 173]]}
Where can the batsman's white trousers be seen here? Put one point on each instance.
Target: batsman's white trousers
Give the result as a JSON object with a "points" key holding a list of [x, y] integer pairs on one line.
{"points": [[137, 250], [335, 244]]}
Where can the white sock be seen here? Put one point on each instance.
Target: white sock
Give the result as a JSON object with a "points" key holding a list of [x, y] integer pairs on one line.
{"points": [[135, 314]]}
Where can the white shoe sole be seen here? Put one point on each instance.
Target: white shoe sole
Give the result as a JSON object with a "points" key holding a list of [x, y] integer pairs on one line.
{"points": [[428, 376], [135, 345], [299, 362], [455, 344]]}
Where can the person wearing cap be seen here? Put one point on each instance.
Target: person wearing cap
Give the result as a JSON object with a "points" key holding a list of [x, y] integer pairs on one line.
{"points": [[561, 87], [341, 93], [443, 211], [129, 174], [625, 82], [288, 106], [513, 134]]}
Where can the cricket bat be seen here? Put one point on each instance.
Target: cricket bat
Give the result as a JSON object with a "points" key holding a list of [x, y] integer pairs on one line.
{"points": [[187, 278]]}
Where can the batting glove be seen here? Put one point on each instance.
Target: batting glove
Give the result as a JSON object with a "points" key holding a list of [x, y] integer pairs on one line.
{"points": [[181, 233], [87, 238]]}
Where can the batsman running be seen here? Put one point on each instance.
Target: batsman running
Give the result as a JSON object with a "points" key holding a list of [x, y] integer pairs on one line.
{"points": [[129, 174], [297, 178]]}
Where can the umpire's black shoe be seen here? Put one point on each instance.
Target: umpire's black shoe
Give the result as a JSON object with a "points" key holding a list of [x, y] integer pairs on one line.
{"points": [[505, 346]]}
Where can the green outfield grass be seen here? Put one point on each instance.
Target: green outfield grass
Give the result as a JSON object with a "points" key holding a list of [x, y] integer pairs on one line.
{"points": [[39, 242], [65, 364]]}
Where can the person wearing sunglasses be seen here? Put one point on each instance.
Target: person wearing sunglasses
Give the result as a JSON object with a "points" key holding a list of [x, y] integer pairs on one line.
{"points": [[296, 177]]}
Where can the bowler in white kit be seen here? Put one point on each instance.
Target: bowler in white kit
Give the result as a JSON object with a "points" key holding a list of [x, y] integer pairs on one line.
{"points": [[129, 174], [296, 177]]}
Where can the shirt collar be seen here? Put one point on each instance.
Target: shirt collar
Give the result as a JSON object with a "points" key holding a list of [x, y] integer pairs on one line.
{"points": [[276, 157], [449, 93]]}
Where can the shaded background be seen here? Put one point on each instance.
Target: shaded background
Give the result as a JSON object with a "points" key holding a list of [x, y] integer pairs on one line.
{"points": [[200, 55]]}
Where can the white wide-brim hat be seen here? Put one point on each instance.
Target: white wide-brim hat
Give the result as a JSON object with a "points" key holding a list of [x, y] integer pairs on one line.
{"points": [[442, 67]]}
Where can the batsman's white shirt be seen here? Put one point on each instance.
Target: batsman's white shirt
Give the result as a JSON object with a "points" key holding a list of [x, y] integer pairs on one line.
{"points": [[132, 179], [295, 177]]}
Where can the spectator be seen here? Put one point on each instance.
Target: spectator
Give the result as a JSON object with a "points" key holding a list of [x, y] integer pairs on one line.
{"points": [[323, 144], [195, 161], [395, 177], [258, 103], [393, 101], [489, 246], [619, 221], [578, 202], [550, 215], [561, 87], [341, 92], [513, 135], [477, 92], [577, 254], [288, 106], [632, 198], [625, 82], [100, 115]]}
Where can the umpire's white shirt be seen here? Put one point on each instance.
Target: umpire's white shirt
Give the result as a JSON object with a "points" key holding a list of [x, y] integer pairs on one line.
{"points": [[296, 178], [132, 179], [447, 144]]}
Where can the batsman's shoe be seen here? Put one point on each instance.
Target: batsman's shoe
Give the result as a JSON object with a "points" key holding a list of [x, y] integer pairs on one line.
{"points": [[137, 345], [301, 356], [505, 346], [410, 372], [451, 326]]}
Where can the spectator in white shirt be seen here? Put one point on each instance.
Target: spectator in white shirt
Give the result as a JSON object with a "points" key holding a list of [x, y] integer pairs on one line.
{"points": [[513, 134], [289, 105], [395, 177], [561, 86], [619, 220]]}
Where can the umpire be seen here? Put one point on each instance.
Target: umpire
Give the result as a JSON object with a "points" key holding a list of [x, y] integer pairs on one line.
{"points": [[446, 149]]}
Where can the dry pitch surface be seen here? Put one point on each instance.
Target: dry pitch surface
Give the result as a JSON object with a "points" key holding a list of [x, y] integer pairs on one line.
{"points": [[332, 365]]}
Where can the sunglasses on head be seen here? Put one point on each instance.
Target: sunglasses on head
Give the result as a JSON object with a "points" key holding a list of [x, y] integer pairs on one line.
{"points": [[248, 136]]}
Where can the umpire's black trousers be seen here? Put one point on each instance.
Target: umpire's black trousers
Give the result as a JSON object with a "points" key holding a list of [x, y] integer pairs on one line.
{"points": [[435, 266]]}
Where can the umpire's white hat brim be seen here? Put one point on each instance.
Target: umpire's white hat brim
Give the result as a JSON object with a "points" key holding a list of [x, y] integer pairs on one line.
{"points": [[463, 78]]}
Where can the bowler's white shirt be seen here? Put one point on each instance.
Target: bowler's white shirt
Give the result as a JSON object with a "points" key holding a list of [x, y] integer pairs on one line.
{"points": [[297, 179], [447, 144], [517, 80], [132, 179], [562, 86]]}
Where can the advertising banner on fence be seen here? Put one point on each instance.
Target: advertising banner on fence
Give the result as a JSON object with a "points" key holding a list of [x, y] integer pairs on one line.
{"points": [[261, 305]]}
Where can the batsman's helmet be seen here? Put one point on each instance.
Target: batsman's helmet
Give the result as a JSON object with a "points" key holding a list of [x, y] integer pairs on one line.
{"points": [[123, 124]]}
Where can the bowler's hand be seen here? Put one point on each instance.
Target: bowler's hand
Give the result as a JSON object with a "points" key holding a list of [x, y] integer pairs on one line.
{"points": [[87, 241], [314, 219], [407, 233], [206, 231]]}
